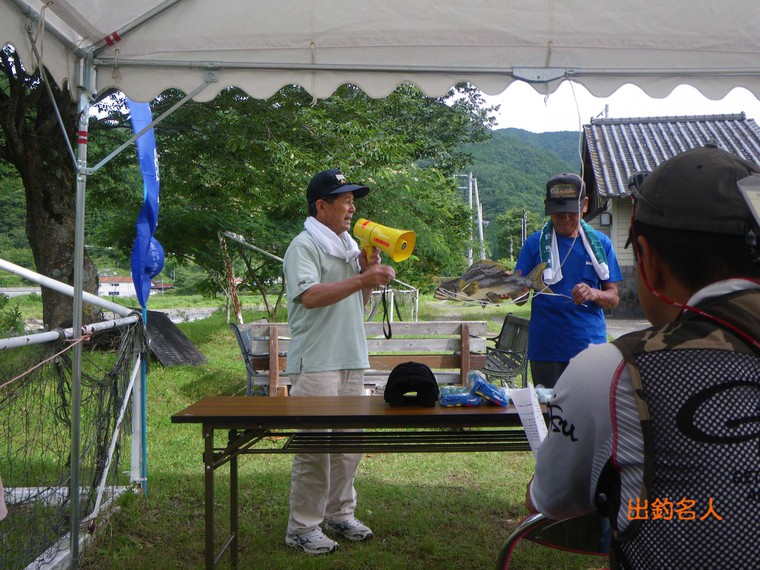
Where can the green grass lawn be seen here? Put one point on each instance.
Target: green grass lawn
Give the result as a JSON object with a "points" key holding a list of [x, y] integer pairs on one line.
{"points": [[428, 511]]}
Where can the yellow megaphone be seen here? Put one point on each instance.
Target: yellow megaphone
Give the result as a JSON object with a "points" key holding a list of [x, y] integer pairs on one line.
{"points": [[398, 244]]}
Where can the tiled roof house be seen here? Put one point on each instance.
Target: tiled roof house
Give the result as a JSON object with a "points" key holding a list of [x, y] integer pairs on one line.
{"points": [[613, 149]]}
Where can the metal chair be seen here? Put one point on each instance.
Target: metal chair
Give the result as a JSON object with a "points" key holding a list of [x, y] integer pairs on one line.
{"points": [[588, 534], [508, 358]]}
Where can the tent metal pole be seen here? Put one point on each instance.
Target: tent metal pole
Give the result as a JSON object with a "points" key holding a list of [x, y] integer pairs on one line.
{"points": [[46, 83], [241, 241], [63, 288], [532, 75], [210, 78], [58, 334], [34, 16], [122, 32], [540, 75], [85, 69]]}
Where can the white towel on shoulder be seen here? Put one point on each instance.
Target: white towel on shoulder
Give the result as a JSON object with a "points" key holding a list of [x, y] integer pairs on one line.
{"points": [[341, 246]]}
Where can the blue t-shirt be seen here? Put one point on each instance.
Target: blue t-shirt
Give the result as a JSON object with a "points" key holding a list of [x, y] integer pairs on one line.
{"points": [[560, 329]]}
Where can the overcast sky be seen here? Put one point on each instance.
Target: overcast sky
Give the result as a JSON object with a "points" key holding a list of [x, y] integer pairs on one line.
{"points": [[572, 106]]}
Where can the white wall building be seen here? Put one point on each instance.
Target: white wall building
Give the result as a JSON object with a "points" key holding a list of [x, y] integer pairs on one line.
{"points": [[116, 287]]}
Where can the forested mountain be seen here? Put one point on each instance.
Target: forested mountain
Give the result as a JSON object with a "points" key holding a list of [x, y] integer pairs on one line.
{"points": [[512, 169], [562, 143]]}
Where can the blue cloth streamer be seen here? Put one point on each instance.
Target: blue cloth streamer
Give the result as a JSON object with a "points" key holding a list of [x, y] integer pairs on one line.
{"points": [[147, 254]]}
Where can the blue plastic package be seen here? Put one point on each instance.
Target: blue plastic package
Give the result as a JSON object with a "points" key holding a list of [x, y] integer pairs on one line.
{"points": [[490, 392], [472, 376], [543, 394], [457, 396]]}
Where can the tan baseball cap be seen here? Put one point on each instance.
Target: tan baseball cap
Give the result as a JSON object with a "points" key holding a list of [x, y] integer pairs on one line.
{"points": [[564, 194]]}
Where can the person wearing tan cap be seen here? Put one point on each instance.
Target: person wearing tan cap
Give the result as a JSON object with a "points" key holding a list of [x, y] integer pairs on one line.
{"points": [[580, 268], [659, 431]]}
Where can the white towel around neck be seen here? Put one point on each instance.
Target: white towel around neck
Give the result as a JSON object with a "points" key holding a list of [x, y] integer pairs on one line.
{"points": [[553, 272], [341, 246]]}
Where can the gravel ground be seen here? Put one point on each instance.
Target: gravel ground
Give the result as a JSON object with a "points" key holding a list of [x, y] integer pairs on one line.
{"points": [[187, 315], [619, 327]]}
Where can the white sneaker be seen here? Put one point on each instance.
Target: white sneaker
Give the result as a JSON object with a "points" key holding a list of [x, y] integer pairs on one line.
{"points": [[351, 529], [312, 542]]}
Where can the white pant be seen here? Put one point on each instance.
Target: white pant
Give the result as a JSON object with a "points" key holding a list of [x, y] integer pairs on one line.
{"points": [[322, 484], [3, 509]]}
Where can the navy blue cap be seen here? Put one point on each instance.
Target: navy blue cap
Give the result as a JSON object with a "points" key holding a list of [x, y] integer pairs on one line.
{"points": [[332, 182]]}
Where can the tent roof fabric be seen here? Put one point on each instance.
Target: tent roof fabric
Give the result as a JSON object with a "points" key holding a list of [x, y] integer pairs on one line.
{"points": [[143, 47]]}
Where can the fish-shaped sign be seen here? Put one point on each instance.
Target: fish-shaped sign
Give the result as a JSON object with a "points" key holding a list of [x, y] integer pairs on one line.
{"points": [[485, 282]]}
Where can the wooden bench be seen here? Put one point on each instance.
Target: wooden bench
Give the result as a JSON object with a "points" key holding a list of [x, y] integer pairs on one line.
{"points": [[450, 348]]}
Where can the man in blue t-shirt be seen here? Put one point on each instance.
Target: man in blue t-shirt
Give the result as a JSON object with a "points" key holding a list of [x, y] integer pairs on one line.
{"points": [[581, 271]]}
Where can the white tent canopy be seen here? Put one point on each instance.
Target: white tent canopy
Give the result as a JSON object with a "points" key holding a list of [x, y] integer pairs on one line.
{"points": [[143, 47]]}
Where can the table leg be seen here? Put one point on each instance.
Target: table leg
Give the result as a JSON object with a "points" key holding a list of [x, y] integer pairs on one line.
{"points": [[208, 464], [234, 504]]}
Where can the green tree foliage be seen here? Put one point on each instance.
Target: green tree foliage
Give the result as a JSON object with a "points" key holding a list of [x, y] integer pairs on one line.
{"points": [[509, 238], [11, 319], [14, 246], [512, 173], [242, 165]]}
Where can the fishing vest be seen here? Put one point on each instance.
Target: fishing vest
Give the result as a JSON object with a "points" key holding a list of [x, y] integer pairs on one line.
{"points": [[697, 386]]}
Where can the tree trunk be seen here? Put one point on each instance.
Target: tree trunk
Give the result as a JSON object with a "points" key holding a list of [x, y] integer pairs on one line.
{"points": [[36, 146], [50, 228]]}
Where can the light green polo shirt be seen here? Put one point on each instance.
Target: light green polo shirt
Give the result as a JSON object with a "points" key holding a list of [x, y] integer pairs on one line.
{"points": [[325, 338]]}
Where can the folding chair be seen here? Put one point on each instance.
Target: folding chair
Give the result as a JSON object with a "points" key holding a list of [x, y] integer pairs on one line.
{"points": [[508, 358], [243, 338], [587, 534]]}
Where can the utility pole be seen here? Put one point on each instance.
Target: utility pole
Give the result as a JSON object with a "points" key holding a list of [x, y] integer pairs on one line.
{"points": [[480, 218], [469, 189], [473, 201]]}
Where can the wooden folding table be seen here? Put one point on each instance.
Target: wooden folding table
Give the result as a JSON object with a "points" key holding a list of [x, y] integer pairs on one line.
{"points": [[385, 429]]}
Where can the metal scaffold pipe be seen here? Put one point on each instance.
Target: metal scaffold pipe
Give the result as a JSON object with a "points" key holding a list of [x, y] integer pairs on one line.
{"points": [[63, 288]]}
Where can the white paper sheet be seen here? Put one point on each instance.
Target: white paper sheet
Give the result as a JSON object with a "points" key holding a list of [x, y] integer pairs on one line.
{"points": [[531, 417]]}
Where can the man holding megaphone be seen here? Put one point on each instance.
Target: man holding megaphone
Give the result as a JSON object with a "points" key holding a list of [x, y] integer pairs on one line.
{"points": [[328, 281]]}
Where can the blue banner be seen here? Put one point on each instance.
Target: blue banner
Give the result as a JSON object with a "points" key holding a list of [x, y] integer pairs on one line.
{"points": [[147, 253]]}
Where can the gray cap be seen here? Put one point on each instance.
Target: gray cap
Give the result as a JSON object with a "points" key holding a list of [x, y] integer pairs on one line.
{"points": [[697, 191]]}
